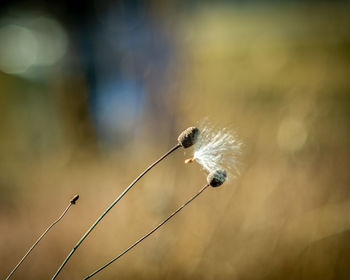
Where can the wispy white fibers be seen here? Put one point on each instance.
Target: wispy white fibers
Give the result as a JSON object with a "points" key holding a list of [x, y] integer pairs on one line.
{"points": [[217, 149]]}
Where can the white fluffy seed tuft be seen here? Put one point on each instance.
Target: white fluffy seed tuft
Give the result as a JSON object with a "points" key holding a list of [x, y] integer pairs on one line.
{"points": [[217, 149]]}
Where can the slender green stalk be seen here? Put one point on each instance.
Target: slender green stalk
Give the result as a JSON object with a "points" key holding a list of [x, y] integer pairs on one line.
{"points": [[73, 201], [148, 234], [111, 206]]}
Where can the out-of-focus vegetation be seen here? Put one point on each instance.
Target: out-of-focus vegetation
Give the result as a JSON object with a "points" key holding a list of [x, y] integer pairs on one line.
{"points": [[89, 97]]}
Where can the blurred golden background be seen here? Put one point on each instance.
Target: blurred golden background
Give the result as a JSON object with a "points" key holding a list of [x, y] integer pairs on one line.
{"points": [[91, 93]]}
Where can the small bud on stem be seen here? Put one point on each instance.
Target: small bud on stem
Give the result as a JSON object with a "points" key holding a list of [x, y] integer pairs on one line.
{"points": [[74, 199]]}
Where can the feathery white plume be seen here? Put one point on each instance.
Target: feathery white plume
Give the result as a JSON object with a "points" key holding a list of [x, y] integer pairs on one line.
{"points": [[216, 149]]}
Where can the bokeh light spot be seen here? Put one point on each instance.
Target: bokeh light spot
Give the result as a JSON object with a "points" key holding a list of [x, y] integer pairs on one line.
{"points": [[52, 40], [18, 49]]}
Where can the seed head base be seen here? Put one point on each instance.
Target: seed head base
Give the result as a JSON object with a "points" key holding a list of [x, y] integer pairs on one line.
{"points": [[216, 178], [188, 137]]}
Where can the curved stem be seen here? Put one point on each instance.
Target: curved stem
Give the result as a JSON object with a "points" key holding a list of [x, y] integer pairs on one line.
{"points": [[111, 206], [38, 240], [148, 234]]}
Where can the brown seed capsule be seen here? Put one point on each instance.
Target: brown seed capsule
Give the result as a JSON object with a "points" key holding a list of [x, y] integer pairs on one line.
{"points": [[74, 199], [216, 178], [188, 137]]}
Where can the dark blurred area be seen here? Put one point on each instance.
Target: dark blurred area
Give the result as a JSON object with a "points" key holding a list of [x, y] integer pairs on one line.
{"points": [[92, 92]]}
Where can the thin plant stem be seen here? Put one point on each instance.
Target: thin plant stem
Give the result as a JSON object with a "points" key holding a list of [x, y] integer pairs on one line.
{"points": [[148, 234], [73, 201], [111, 206]]}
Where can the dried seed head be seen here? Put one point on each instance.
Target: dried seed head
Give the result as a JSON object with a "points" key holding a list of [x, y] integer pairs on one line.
{"points": [[74, 199], [216, 178], [188, 137]]}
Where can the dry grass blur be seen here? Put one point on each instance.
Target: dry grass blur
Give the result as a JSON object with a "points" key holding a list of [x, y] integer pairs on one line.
{"points": [[279, 75]]}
